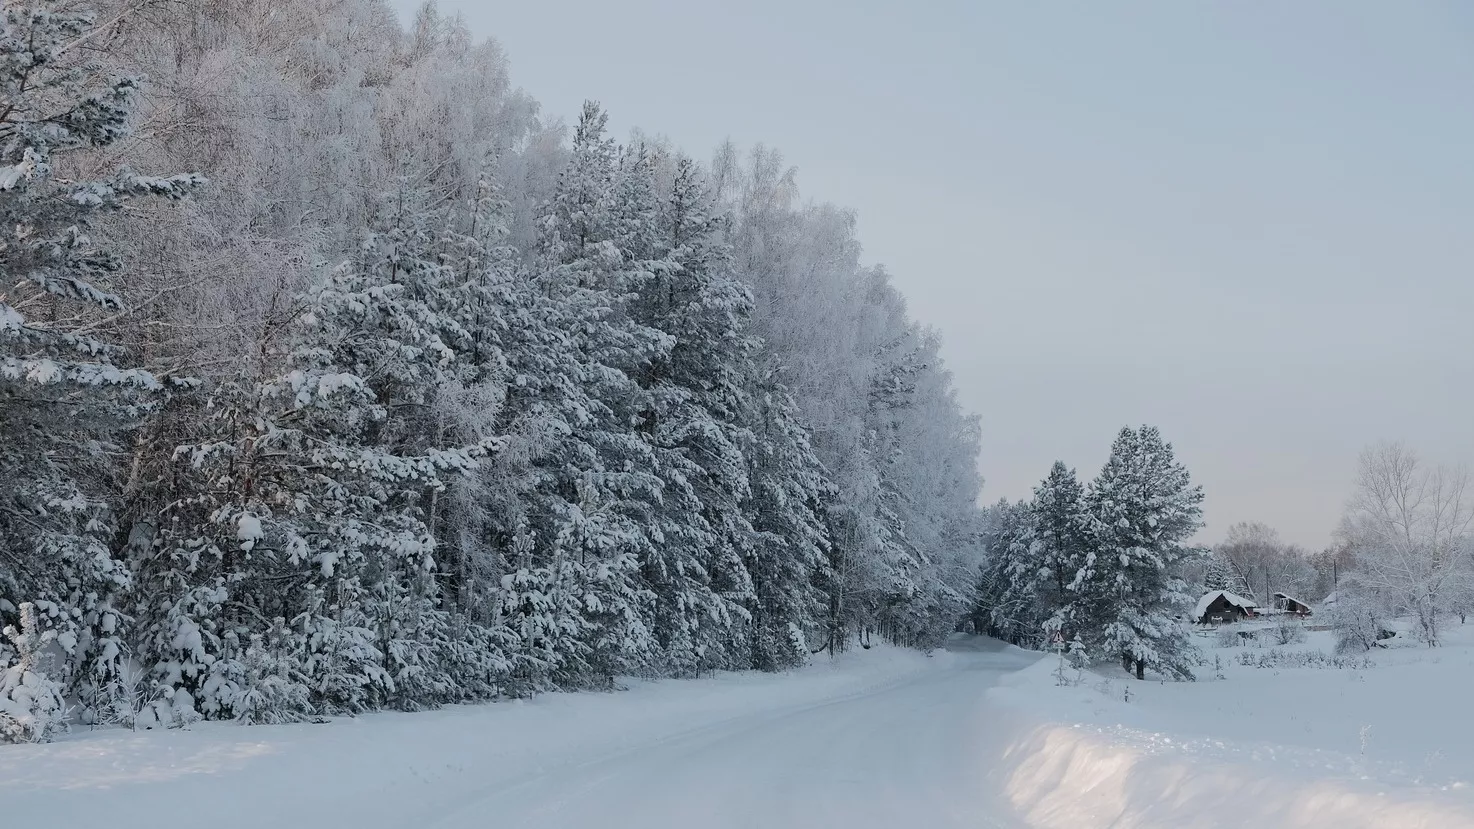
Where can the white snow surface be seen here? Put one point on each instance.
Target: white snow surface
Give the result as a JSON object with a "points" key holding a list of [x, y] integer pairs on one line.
{"points": [[1380, 743], [877, 738], [977, 736]]}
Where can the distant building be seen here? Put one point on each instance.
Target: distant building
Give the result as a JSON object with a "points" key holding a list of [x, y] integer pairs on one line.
{"points": [[1289, 604], [1220, 607]]}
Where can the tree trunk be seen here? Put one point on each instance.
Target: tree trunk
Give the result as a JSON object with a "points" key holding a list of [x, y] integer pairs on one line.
{"points": [[1140, 669]]}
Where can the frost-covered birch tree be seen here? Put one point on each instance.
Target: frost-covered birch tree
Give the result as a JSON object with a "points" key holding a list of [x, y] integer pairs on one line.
{"points": [[1409, 527]]}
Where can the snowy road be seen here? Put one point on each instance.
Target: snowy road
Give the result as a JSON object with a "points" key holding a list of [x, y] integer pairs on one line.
{"points": [[902, 756], [879, 738]]}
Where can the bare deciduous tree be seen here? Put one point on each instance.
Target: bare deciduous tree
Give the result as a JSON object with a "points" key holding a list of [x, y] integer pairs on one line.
{"points": [[1263, 564], [1408, 525]]}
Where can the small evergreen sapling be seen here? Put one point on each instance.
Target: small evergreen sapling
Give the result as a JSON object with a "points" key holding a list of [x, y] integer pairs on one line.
{"points": [[31, 707]]}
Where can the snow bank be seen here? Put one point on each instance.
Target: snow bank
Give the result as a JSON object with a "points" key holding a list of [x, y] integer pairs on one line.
{"points": [[1066, 758]]}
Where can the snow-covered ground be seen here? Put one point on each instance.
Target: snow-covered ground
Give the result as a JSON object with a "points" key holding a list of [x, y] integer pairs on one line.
{"points": [[1380, 741], [880, 738], [979, 736]]}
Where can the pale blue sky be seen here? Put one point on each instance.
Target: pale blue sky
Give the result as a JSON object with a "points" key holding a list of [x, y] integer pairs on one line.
{"points": [[1250, 224]]}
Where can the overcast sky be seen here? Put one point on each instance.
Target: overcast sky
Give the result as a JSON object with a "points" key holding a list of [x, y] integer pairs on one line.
{"points": [[1249, 224]]}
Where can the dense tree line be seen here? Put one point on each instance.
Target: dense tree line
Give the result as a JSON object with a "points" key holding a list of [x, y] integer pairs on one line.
{"points": [[335, 378], [1099, 569]]}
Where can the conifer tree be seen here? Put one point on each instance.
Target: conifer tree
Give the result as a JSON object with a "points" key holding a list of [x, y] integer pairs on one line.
{"points": [[31, 706], [67, 394], [1220, 575], [1060, 536], [604, 487], [1010, 586], [1130, 596], [697, 398], [790, 552], [312, 505]]}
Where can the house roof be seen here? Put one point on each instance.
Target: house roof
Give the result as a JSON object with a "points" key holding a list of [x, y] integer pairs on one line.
{"points": [[1212, 596], [1291, 599]]}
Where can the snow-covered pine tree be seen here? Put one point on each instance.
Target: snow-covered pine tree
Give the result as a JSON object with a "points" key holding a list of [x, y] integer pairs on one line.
{"points": [[697, 396], [271, 688], [1219, 574], [66, 393], [526, 489], [604, 487], [1009, 604], [529, 488], [1130, 597], [544, 617], [448, 279], [1060, 538], [313, 501], [790, 553]]}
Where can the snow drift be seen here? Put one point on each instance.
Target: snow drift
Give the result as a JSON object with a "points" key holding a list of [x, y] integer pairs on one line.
{"points": [[1057, 774]]}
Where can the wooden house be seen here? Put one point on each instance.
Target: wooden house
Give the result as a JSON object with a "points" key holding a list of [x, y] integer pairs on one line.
{"points": [[1220, 606], [1290, 604]]}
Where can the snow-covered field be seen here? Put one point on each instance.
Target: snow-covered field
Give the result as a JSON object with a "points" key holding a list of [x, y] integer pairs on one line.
{"points": [[979, 736], [1379, 741]]}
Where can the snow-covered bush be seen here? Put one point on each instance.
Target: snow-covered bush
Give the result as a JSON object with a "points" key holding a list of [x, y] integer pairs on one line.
{"points": [[1287, 631], [119, 702], [1228, 637], [170, 708], [1359, 624], [31, 707], [1073, 660], [1276, 658], [270, 693]]}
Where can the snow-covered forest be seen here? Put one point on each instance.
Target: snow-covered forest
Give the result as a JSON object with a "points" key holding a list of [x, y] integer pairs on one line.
{"points": [[334, 377]]}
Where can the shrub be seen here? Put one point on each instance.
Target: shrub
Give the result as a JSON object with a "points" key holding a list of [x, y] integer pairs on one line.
{"points": [[31, 708], [1288, 631], [1276, 658], [1358, 623]]}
